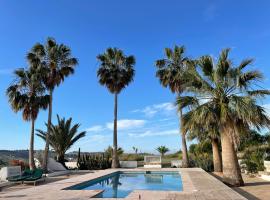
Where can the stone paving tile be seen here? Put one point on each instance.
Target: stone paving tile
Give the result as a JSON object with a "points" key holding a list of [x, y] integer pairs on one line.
{"points": [[197, 185]]}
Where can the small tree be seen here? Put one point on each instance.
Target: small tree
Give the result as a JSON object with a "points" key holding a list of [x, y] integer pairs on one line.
{"points": [[162, 150], [62, 136], [109, 151]]}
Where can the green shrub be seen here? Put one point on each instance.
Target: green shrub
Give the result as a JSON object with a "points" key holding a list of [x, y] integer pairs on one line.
{"points": [[253, 158], [251, 166], [131, 157], [201, 155], [202, 160], [90, 162]]}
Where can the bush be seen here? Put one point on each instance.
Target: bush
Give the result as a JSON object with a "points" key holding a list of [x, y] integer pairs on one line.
{"points": [[201, 155], [177, 155], [253, 158], [132, 157], [251, 166], [93, 162], [202, 160]]}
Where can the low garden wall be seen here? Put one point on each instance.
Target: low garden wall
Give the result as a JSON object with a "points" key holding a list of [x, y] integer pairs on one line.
{"points": [[128, 164]]}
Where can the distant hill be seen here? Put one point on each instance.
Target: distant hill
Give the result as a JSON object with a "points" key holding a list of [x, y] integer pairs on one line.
{"points": [[7, 155]]}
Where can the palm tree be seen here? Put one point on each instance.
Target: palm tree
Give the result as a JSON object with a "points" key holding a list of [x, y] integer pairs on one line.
{"points": [[162, 150], [170, 72], [58, 63], [116, 71], [135, 149], [109, 151], [62, 136], [226, 94], [26, 94], [201, 130], [200, 133]]}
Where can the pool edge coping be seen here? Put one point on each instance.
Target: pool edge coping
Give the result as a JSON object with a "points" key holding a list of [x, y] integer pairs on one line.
{"points": [[55, 190]]}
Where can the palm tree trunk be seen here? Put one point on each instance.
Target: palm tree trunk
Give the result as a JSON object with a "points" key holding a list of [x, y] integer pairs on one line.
{"points": [[46, 151], [231, 168], [115, 161], [31, 149], [185, 161], [216, 156], [61, 159]]}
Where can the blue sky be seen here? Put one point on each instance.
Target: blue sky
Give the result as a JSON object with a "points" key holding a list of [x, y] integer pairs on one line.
{"points": [[141, 28]]}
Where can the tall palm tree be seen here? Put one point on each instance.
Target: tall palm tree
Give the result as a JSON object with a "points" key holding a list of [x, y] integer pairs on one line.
{"points": [[170, 72], [58, 63], [116, 71], [162, 150], [26, 94], [227, 94], [62, 136]]}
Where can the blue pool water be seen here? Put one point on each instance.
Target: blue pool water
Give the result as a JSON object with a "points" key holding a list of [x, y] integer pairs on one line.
{"points": [[120, 184]]}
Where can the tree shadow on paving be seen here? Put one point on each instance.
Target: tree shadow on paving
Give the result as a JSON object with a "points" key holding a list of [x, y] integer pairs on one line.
{"points": [[257, 183], [13, 196], [245, 193]]}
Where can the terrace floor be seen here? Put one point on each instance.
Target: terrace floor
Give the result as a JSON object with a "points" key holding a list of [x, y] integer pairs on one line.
{"points": [[197, 185]]}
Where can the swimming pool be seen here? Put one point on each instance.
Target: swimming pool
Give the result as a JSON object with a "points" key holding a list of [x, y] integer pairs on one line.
{"points": [[120, 184]]}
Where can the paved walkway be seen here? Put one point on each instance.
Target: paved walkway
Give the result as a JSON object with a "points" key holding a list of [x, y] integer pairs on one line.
{"points": [[255, 188], [197, 185]]}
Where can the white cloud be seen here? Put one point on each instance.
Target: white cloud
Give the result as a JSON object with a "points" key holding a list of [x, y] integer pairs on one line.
{"points": [[96, 128], [155, 133], [124, 124], [165, 108]]}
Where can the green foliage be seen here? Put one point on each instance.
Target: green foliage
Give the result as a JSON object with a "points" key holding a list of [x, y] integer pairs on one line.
{"points": [[55, 60], [202, 147], [109, 151], [170, 70], [267, 158], [252, 138], [131, 157], [162, 150], [251, 166], [177, 155], [201, 155], [62, 136], [94, 162], [226, 95], [202, 160], [116, 69], [192, 148], [253, 158], [26, 94]]}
